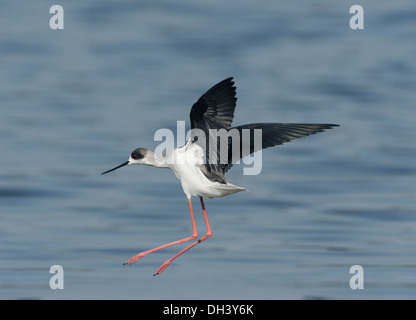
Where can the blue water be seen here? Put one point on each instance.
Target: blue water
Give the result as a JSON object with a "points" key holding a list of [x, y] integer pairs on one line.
{"points": [[76, 102]]}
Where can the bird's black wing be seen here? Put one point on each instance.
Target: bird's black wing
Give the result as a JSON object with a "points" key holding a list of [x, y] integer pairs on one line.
{"points": [[215, 109], [272, 134]]}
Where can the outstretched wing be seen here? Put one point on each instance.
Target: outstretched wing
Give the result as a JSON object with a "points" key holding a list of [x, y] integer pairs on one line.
{"points": [[272, 134], [215, 109]]}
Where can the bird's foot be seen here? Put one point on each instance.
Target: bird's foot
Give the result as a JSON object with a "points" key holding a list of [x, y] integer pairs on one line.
{"points": [[134, 259], [163, 267]]}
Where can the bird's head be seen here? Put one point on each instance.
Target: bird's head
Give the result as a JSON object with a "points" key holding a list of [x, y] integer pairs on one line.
{"points": [[138, 156]]}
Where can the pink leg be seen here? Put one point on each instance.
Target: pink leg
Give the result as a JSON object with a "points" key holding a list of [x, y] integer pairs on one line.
{"points": [[194, 235], [209, 234]]}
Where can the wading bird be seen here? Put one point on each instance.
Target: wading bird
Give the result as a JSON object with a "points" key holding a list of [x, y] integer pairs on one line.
{"points": [[202, 174]]}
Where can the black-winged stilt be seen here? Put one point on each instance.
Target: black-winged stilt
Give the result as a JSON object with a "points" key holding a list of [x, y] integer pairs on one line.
{"points": [[201, 169]]}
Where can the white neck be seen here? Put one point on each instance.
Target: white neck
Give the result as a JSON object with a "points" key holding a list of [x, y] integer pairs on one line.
{"points": [[155, 160]]}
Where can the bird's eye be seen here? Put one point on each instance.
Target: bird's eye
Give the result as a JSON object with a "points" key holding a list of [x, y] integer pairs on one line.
{"points": [[134, 156]]}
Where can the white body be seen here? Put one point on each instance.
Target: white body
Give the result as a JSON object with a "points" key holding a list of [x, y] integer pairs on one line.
{"points": [[186, 162]]}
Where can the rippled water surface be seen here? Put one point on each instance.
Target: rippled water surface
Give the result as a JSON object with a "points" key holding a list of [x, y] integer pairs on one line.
{"points": [[76, 102]]}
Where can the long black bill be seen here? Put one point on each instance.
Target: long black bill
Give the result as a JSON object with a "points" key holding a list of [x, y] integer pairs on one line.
{"points": [[121, 165]]}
